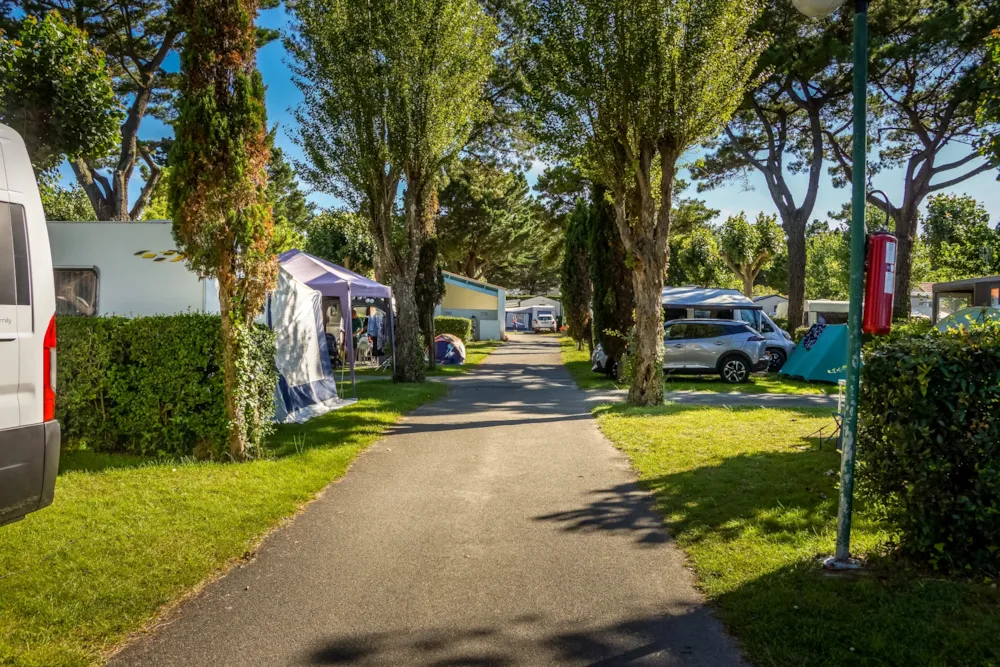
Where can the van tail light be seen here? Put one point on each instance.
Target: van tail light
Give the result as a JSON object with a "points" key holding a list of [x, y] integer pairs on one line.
{"points": [[756, 339], [49, 372]]}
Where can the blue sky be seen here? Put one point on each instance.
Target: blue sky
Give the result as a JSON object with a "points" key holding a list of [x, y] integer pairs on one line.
{"points": [[750, 196]]}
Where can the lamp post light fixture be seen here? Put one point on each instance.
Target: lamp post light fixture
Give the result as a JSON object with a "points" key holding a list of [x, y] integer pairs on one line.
{"points": [[817, 8]]}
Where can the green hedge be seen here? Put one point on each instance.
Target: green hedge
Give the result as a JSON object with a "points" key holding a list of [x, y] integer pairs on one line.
{"points": [[456, 326], [929, 444], [153, 385]]}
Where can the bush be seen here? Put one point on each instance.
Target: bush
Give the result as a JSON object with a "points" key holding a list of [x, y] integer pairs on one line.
{"points": [[799, 333], [153, 385], [781, 322], [456, 326], [929, 445]]}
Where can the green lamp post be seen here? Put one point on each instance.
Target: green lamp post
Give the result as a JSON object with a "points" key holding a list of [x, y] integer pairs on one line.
{"points": [[818, 8]]}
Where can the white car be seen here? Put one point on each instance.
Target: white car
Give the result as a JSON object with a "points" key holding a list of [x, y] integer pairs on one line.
{"points": [[29, 432], [544, 322]]}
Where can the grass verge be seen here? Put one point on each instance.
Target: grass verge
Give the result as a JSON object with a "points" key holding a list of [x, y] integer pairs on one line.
{"points": [[752, 501], [127, 536], [578, 364]]}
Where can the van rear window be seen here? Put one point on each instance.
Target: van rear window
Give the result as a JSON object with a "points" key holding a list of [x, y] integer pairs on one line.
{"points": [[22, 265], [15, 270]]}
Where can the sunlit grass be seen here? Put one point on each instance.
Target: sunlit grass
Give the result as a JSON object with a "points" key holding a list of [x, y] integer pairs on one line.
{"points": [[127, 535], [752, 501]]}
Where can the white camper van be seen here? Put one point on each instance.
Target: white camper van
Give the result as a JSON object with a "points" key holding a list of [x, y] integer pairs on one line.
{"points": [[29, 433]]}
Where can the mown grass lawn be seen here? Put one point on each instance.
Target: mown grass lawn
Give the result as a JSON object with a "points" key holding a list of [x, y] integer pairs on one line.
{"points": [[751, 501], [127, 536], [578, 364]]}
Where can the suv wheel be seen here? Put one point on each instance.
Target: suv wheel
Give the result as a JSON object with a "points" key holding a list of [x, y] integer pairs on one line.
{"points": [[776, 359], [735, 370]]}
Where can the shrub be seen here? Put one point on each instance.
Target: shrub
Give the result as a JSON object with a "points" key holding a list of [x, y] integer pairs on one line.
{"points": [[456, 326], [800, 333], [153, 385], [929, 444]]}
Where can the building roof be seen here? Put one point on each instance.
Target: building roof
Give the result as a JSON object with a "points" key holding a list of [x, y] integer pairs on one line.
{"points": [[959, 284], [464, 281]]}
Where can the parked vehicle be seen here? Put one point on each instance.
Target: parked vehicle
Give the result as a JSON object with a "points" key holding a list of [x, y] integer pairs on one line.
{"points": [[29, 433], [729, 348], [697, 303], [544, 322]]}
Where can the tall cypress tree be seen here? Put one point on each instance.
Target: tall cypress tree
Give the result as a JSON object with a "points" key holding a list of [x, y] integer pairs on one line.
{"points": [[577, 290], [218, 189], [614, 298]]}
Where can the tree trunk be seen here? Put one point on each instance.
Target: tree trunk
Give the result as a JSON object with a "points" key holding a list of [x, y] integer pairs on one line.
{"points": [[408, 352], [647, 382], [230, 341], [906, 229], [796, 275], [748, 285]]}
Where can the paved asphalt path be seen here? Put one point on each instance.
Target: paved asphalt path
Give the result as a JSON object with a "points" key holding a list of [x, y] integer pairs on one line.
{"points": [[496, 526]]}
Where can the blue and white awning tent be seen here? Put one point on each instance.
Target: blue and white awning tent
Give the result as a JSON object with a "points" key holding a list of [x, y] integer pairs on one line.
{"points": [[307, 386]]}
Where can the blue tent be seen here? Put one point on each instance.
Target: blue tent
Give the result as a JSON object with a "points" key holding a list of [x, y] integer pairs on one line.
{"points": [[824, 361]]}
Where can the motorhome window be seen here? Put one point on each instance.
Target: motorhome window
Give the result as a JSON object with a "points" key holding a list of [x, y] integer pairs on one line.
{"points": [[8, 290], [670, 314], [77, 291], [702, 314], [22, 266], [751, 317]]}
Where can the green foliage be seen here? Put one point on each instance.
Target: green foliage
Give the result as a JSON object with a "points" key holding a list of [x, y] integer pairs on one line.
{"points": [[929, 445], [959, 239], [577, 288], [154, 386], [456, 326], [486, 224], [392, 91], [342, 238], [694, 247], [626, 85], [55, 90], [62, 203], [218, 187], [828, 265], [614, 294], [291, 210], [988, 113], [748, 247], [428, 290], [799, 333]]}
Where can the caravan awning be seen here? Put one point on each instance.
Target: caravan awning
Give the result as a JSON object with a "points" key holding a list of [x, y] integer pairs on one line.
{"points": [[329, 279]]}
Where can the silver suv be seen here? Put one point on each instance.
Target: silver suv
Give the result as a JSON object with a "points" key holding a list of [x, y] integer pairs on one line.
{"points": [[706, 347]]}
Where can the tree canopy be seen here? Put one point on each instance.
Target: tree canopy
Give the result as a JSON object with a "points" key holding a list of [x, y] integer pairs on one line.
{"points": [[747, 247], [486, 222], [393, 91], [629, 83], [960, 242], [55, 90]]}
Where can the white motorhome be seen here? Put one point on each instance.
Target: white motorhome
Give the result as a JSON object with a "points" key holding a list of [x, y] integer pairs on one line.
{"points": [[124, 268], [727, 304], [29, 432]]}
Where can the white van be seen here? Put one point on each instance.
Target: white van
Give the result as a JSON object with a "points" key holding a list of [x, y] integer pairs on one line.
{"points": [[29, 433], [726, 304]]}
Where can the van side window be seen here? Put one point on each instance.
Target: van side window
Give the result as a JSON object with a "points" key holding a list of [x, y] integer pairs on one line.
{"points": [[76, 291], [8, 281], [22, 265]]}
